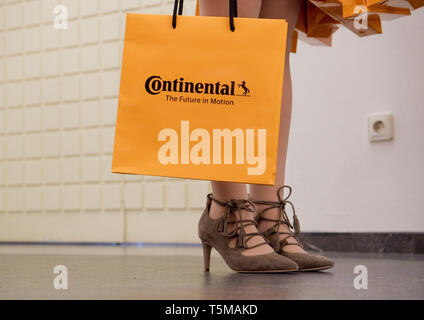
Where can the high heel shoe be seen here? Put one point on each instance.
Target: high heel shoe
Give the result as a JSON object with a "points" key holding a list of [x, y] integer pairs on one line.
{"points": [[305, 261], [214, 233]]}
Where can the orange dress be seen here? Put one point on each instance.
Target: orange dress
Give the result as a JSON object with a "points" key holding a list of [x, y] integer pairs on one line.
{"points": [[319, 19]]}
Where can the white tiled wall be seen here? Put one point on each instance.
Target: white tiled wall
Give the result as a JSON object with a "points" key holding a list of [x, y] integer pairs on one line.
{"points": [[58, 101]]}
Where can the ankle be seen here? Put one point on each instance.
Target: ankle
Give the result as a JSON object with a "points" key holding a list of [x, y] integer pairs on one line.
{"points": [[256, 199], [269, 213], [215, 211]]}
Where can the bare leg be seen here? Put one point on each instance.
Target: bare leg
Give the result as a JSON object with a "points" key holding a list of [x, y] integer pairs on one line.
{"points": [[288, 10], [226, 190], [219, 8]]}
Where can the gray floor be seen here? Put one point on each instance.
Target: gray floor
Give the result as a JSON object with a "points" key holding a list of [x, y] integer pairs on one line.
{"points": [[26, 272]]}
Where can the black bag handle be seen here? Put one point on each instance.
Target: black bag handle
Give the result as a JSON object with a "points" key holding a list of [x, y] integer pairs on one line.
{"points": [[178, 6]]}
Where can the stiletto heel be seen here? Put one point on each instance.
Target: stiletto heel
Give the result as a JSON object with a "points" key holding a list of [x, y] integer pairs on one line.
{"points": [[216, 233], [206, 255]]}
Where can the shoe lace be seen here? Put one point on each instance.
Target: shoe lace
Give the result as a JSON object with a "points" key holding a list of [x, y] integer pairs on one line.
{"points": [[281, 204], [233, 215]]}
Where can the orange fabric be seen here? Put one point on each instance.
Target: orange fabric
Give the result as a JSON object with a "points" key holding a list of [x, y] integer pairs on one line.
{"points": [[319, 19], [344, 12]]}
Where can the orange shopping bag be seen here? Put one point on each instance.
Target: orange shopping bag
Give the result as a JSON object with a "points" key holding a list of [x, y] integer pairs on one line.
{"points": [[200, 97]]}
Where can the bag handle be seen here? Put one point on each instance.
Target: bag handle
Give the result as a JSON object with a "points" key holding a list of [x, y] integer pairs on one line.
{"points": [[178, 6]]}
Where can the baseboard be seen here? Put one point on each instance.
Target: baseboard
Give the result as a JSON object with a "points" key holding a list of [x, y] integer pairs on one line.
{"points": [[365, 242], [378, 242]]}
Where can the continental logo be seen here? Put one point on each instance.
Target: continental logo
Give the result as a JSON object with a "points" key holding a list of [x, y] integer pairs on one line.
{"points": [[155, 85]]}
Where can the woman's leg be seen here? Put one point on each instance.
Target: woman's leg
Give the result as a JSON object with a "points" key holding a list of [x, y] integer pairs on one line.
{"points": [[288, 10], [220, 8], [227, 190]]}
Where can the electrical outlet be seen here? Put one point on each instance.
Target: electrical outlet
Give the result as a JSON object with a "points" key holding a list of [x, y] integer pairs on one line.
{"points": [[380, 127]]}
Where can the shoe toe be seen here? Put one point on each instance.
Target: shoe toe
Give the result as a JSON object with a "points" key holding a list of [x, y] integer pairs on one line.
{"points": [[272, 262], [280, 263], [310, 262]]}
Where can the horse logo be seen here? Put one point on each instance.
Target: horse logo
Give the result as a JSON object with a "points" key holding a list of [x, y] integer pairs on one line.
{"points": [[243, 86]]}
